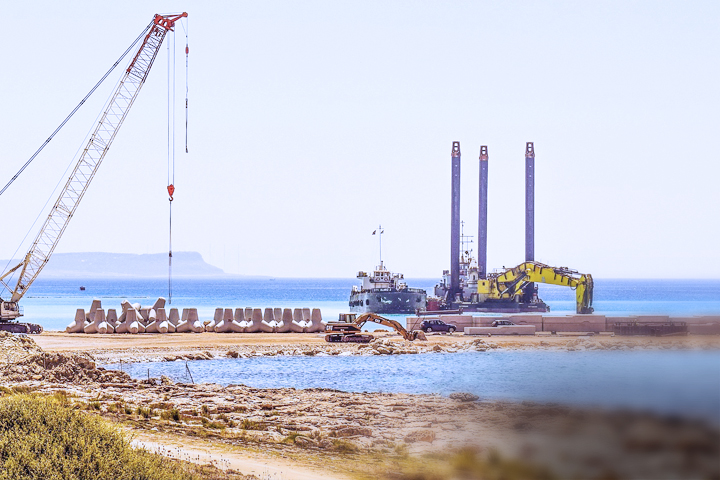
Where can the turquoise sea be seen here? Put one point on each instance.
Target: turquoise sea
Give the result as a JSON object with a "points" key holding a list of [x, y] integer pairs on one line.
{"points": [[52, 302]]}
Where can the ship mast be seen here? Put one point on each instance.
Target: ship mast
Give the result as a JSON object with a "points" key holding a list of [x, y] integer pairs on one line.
{"points": [[379, 233]]}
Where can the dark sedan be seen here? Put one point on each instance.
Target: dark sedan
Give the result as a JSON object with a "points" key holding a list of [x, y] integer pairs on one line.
{"points": [[437, 326]]}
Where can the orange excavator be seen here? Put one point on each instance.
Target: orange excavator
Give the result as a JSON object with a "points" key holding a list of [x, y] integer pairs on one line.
{"points": [[348, 329]]}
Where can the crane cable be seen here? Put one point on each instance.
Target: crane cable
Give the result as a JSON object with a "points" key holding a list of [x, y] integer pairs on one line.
{"points": [[171, 158], [75, 109]]}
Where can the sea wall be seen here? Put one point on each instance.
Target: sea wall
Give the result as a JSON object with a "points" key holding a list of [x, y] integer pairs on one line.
{"points": [[696, 325]]}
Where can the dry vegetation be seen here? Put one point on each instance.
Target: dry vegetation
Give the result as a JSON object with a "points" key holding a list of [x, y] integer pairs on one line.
{"points": [[45, 437]]}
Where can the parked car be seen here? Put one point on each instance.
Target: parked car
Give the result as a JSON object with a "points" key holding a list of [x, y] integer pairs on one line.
{"points": [[498, 323], [437, 326]]}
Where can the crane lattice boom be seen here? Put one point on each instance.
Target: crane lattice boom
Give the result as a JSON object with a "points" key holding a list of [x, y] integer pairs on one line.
{"points": [[93, 154]]}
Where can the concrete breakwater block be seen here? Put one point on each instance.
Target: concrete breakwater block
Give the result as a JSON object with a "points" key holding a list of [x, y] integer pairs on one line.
{"points": [[461, 322], [160, 323], [94, 326], [254, 321], [111, 317], [574, 323], [316, 322], [224, 323], [536, 320], [193, 323], [267, 324], [174, 317], [502, 330], [297, 323], [93, 308], [283, 325], [239, 321], [77, 325]]}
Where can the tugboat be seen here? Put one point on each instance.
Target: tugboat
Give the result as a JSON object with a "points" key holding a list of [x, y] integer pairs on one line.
{"points": [[385, 292]]}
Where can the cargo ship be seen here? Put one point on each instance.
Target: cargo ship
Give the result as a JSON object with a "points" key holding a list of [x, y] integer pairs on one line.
{"points": [[386, 293]]}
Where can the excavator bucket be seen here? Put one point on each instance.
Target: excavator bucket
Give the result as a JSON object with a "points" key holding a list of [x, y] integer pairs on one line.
{"points": [[420, 335]]}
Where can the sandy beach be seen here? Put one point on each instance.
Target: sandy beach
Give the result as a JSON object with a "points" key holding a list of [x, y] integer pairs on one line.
{"points": [[168, 347]]}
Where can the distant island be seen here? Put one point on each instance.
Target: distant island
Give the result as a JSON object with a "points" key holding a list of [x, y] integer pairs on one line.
{"points": [[101, 265]]}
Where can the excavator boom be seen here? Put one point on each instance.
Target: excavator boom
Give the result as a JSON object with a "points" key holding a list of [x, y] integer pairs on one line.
{"points": [[512, 281], [350, 330]]}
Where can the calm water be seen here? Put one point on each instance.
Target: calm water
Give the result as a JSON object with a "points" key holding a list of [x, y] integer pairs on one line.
{"points": [[671, 382], [52, 303]]}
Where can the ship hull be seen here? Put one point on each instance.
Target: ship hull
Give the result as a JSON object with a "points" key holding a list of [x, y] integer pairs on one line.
{"points": [[387, 302]]}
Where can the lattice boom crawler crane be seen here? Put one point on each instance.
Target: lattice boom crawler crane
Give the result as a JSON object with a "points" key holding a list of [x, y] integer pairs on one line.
{"points": [[102, 137]]}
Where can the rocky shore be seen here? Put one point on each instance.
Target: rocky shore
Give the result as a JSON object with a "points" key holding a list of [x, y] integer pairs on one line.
{"points": [[368, 435]]}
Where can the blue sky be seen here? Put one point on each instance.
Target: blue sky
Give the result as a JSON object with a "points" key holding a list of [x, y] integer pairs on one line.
{"points": [[312, 122]]}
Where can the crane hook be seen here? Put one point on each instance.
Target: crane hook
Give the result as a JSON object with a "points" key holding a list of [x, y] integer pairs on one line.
{"points": [[171, 191]]}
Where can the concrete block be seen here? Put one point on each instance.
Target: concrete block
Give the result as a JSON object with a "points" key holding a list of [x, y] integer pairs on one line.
{"points": [[413, 322], [487, 321], [574, 323], [704, 329], [131, 322], [653, 319], [93, 307], [77, 325], [159, 303], [195, 324], [307, 317], [162, 317], [502, 330], [224, 323], [94, 326], [218, 315], [253, 319], [536, 320], [316, 322], [239, 322], [112, 318], [174, 317], [714, 319], [297, 322], [262, 324], [284, 320], [461, 322]]}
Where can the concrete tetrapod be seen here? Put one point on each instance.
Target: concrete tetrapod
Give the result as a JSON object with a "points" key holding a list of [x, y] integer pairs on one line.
{"points": [[93, 307], [217, 318], [111, 318], [255, 323], [239, 323], [97, 318], [159, 323], [131, 323], [297, 326], [78, 324], [284, 322], [192, 324], [225, 323], [268, 324], [317, 324], [174, 317], [103, 326]]}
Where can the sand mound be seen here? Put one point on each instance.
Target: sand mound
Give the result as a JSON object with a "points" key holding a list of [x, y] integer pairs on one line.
{"points": [[14, 348]]}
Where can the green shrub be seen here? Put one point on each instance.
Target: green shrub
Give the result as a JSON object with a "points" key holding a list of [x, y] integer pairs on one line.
{"points": [[40, 438], [171, 414]]}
